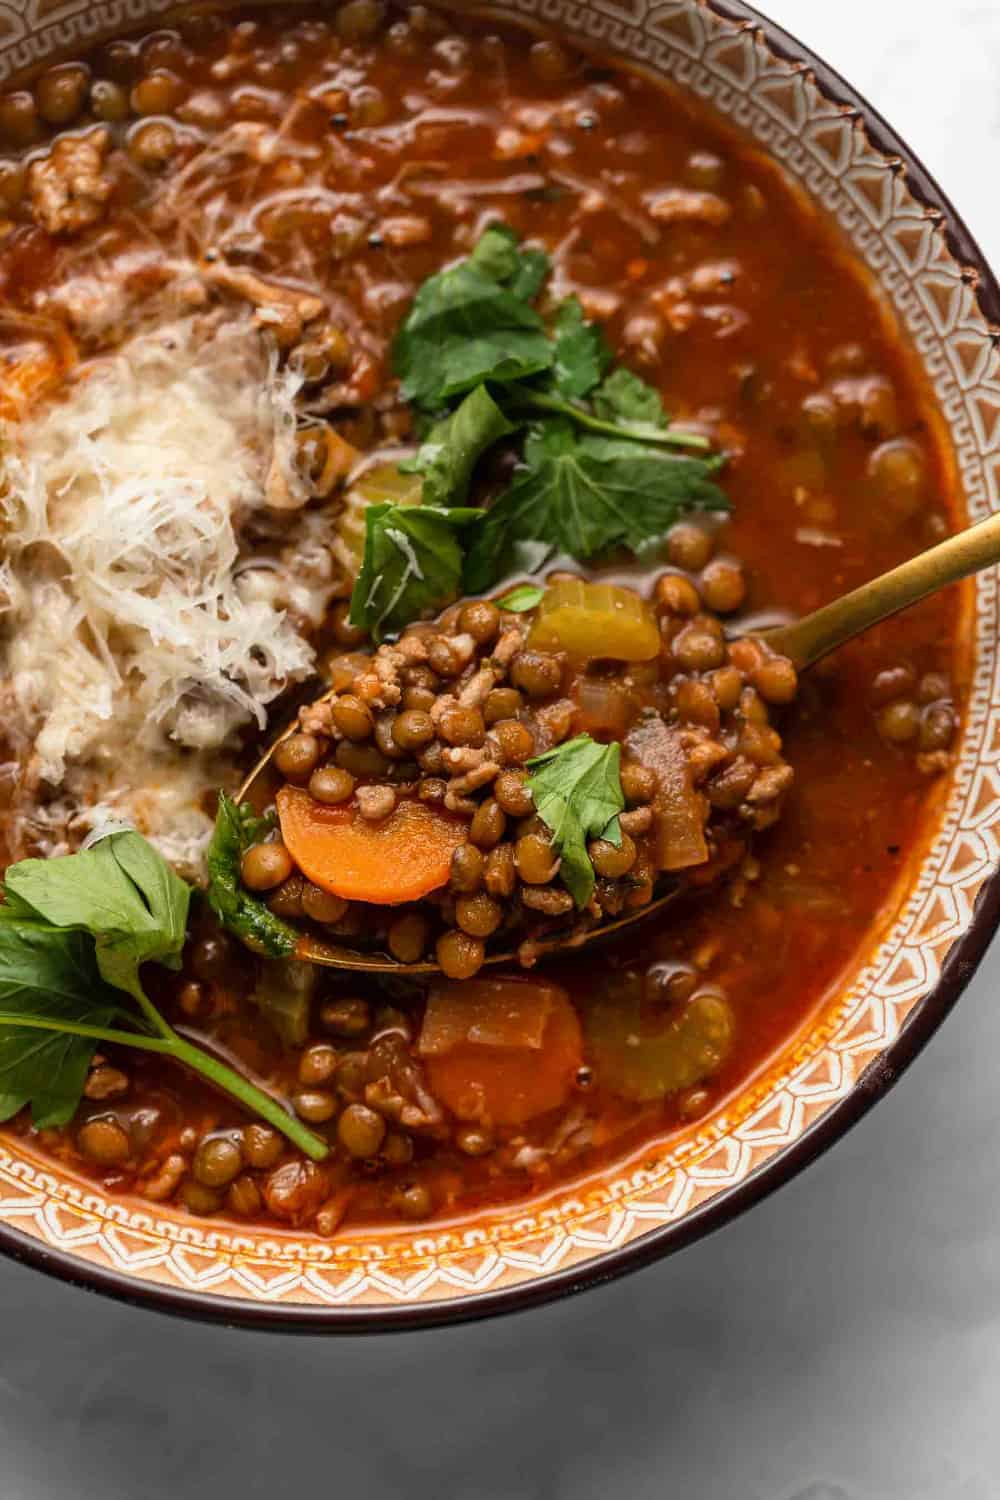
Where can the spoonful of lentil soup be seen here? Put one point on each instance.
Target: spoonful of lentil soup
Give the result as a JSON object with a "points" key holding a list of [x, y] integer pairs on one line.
{"points": [[528, 774]]}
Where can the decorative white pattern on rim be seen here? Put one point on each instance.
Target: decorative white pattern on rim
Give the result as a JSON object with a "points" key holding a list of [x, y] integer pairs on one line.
{"points": [[824, 146]]}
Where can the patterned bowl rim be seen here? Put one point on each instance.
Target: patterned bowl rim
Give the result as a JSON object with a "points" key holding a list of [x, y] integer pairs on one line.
{"points": [[871, 1085]]}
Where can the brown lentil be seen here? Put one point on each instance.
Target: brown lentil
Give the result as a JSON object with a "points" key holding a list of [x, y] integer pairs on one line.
{"points": [[535, 860], [397, 1150], [320, 905], [60, 93], [638, 782], [697, 650], [286, 901], [537, 673], [688, 546], [265, 866], [502, 703], [462, 726], [352, 717], [314, 1105], [413, 728], [199, 1199], [899, 722], [413, 1202], [776, 680], [501, 873], [360, 1131], [348, 1016], [474, 1140], [481, 620], [467, 865], [677, 595], [297, 757], [511, 792], [243, 1197], [317, 1064], [408, 937], [104, 1141], [612, 861], [488, 824], [262, 1145], [459, 955], [722, 586], [516, 741], [479, 915], [331, 785], [937, 726], [217, 1161], [376, 803]]}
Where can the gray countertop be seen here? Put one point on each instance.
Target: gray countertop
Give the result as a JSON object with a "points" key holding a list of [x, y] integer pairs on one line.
{"points": [[838, 1343]]}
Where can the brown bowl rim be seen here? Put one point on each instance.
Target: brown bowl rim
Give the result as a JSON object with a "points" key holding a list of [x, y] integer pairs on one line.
{"points": [[919, 1026]]}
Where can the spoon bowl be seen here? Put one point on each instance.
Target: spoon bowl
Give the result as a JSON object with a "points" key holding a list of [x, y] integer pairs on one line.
{"points": [[335, 956], [804, 642]]}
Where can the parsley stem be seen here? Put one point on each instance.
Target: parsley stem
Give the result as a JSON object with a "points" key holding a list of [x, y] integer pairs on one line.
{"points": [[248, 1094], [521, 400], [150, 1012], [81, 1028], [224, 1077]]}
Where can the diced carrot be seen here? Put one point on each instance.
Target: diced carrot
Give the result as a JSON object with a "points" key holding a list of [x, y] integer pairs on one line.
{"points": [[500, 1051], [402, 858], [491, 1012]]}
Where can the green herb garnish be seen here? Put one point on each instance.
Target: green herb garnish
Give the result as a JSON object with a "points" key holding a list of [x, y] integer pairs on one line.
{"points": [[599, 467], [582, 495], [581, 352], [74, 931], [623, 397], [452, 448], [236, 828], [524, 597], [577, 791], [413, 562], [474, 323]]}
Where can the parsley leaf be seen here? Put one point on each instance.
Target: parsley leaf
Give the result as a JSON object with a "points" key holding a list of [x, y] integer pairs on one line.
{"points": [[121, 891], [451, 449], [623, 397], [577, 791], [52, 974], [236, 828], [73, 933], [524, 597], [584, 494], [499, 256], [474, 323], [413, 562], [581, 351]]}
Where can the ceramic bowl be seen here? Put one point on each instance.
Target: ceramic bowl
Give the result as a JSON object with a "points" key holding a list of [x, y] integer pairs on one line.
{"points": [[902, 227]]}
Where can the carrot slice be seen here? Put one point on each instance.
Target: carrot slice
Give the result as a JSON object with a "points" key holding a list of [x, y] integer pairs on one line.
{"points": [[402, 858], [478, 1079]]}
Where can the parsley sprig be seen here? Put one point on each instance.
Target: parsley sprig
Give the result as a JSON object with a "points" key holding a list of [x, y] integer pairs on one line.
{"points": [[74, 932], [599, 463], [577, 791]]}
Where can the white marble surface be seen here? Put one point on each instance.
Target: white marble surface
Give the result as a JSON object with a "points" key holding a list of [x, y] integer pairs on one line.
{"points": [[839, 1343]]}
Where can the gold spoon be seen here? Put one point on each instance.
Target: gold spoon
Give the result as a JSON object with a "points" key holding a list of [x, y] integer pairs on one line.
{"points": [[804, 642]]}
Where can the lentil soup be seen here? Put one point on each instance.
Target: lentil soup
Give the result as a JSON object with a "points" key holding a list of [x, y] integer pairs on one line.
{"points": [[222, 249]]}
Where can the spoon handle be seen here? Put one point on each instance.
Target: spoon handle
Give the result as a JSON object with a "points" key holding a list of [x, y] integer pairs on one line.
{"points": [[807, 640]]}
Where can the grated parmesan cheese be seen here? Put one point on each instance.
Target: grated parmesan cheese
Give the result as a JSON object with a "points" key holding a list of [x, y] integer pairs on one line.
{"points": [[134, 646]]}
